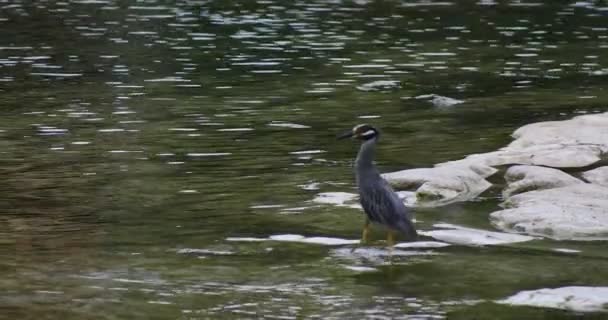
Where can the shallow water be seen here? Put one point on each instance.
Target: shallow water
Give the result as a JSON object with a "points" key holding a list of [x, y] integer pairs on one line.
{"points": [[137, 136]]}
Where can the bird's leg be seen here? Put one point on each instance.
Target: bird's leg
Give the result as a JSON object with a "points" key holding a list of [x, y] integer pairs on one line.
{"points": [[390, 242], [364, 235], [390, 238]]}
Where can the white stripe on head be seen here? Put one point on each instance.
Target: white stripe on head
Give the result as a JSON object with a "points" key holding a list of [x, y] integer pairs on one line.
{"points": [[368, 133], [356, 128]]}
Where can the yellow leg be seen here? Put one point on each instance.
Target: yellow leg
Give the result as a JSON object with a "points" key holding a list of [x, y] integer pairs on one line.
{"points": [[390, 238], [365, 233], [390, 242]]}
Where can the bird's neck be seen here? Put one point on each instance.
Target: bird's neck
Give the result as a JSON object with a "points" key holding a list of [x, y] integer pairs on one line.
{"points": [[365, 158]]}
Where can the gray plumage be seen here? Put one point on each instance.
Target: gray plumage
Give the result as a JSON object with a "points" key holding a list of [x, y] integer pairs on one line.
{"points": [[378, 199]]}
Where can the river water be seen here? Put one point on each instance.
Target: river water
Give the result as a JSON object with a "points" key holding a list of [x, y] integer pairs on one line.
{"points": [[137, 136]]}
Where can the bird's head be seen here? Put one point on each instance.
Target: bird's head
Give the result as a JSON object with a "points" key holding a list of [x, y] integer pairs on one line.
{"points": [[361, 132]]}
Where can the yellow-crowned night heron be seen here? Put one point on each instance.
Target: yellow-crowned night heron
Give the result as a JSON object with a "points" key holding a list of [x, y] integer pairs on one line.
{"points": [[379, 201]]}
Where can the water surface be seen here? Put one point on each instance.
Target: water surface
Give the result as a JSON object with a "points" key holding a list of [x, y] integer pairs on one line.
{"points": [[138, 135]]}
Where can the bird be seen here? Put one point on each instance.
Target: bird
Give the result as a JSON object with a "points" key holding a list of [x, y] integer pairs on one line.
{"points": [[379, 201]]}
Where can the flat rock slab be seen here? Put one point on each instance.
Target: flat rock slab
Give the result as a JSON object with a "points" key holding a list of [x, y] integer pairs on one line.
{"points": [[442, 184], [558, 155], [472, 237], [575, 212], [597, 176], [526, 178], [331, 241], [581, 299], [574, 143], [326, 241], [421, 245], [378, 256]]}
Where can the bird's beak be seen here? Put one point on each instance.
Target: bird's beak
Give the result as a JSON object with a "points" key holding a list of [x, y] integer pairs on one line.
{"points": [[345, 135]]}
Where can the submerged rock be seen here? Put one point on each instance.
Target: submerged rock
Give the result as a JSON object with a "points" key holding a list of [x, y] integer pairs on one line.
{"points": [[582, 299], [574, 212], [378, 256], [439, 101], [341, 199], [380, 85], [472, 237], [326, 241]]}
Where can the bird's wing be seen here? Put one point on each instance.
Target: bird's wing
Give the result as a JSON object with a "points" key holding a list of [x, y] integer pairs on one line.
{"points": [[383, 205]]}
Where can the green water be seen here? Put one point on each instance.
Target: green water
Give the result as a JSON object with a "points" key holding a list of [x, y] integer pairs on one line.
{"points": [[136, 136]]}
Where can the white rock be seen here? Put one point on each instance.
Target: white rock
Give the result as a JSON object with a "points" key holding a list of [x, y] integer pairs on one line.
{"points": [[597, 176], [573, 143], [442, 184], [554, 155], [577, 142], [574, 212], [582, 130], [472, 237], [421, 245], [380, 85], [582, 299], [527, 178]]}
